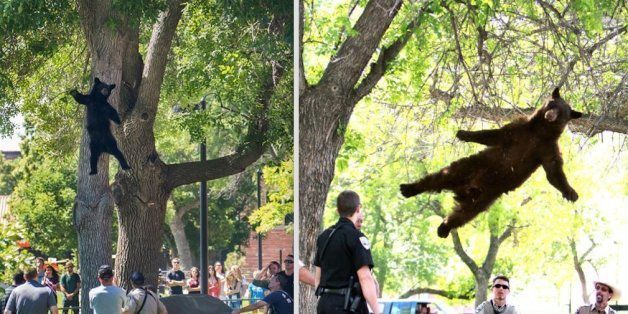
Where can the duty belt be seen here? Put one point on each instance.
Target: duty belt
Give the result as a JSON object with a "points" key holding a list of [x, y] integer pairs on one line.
{"points": [[338, 291], [351, 302]]}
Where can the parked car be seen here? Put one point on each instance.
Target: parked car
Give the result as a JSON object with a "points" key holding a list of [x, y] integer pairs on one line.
{"points": [[412, 306]]}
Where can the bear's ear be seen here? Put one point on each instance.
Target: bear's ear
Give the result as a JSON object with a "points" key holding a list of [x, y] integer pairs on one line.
{"points": [[575, 114], [96, 80], [112, 86], [556, 93]]}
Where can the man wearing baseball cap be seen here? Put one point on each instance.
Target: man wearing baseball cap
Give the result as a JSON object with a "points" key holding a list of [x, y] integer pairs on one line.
{"points": [[604, 292], [106, 298], [141, 300]]}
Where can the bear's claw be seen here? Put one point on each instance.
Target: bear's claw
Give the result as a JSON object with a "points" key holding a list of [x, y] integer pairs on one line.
{"points": [[408, 190], [443, 230]]}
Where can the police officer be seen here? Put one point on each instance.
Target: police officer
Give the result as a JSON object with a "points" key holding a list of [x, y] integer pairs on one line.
{"points": [[343, 263]]}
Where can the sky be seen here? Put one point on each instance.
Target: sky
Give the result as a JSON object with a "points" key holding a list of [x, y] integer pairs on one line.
{"points": [[12, 143]]}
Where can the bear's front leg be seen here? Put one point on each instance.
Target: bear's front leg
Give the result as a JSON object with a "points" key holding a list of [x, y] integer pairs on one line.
{"points": [[570, 195], [556, 177], [485, 137], [80, 98]]}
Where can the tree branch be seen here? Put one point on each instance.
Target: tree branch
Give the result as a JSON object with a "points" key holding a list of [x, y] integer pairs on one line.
{"points": [[585, 254], [507, 233], [454, 25], [550, 7], [587, 53], [197, 171], [577, 264], [157, 57], [463, 255], [346, 67], [379, 67], [246, 154], [589, 124], [493, 249], [180, 211], [447, 294]]}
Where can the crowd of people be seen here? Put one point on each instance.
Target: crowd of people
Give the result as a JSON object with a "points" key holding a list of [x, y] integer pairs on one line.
{"points": [[36, 289], [234, 288]]}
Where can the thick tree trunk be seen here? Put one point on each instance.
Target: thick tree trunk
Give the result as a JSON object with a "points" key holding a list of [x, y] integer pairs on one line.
{"points": [[140, 193], [94, 203], [141, 218], [93, 209], [318, 149], [141, 197]]}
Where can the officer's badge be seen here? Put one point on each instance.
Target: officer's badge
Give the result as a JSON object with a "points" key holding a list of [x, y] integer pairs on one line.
{"points": [[365, 243]]}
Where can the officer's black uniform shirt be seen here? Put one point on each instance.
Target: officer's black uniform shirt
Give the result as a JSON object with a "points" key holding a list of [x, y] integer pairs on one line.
{"points": [[347, 251]]}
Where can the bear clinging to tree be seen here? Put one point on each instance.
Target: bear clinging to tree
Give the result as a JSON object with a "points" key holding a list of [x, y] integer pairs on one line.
{"points": [[99, 112], [514, 152]]}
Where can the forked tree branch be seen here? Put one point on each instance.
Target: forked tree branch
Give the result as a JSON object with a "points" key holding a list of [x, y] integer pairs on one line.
{"points": [[387, 54], [461, 252], [346, 67]]}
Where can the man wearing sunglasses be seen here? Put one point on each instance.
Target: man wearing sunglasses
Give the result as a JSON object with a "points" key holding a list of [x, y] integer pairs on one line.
{"points": [[497, 305], [176, 277], [604, 292], [288, 273]]}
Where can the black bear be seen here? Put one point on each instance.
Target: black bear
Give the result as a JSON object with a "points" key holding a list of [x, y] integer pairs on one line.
{"points": [[514, 152], [99, 112]]}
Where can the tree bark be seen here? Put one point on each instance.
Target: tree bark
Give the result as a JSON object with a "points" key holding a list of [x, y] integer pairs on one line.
{"points": [[177, 227], [577, 263], [93, 207], [588, 124]]}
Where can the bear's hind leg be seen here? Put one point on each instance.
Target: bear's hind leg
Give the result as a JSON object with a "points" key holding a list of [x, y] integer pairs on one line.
{"points": [[434, 182], [115, 151], [94, 151], [464, 212]]}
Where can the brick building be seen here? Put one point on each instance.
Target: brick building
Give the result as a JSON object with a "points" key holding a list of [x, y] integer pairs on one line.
{"points": [[276, 245]]}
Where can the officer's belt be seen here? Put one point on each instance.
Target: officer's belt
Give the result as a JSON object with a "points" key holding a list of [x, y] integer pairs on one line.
{"points": [[338, 291]]}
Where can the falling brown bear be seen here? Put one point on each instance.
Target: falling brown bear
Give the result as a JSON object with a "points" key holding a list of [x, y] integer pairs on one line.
{"points": [[514, 152]]}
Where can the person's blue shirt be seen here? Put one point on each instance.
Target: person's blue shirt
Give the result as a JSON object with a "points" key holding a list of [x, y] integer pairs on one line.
{"points": [[279, 302], [256, 293]]}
